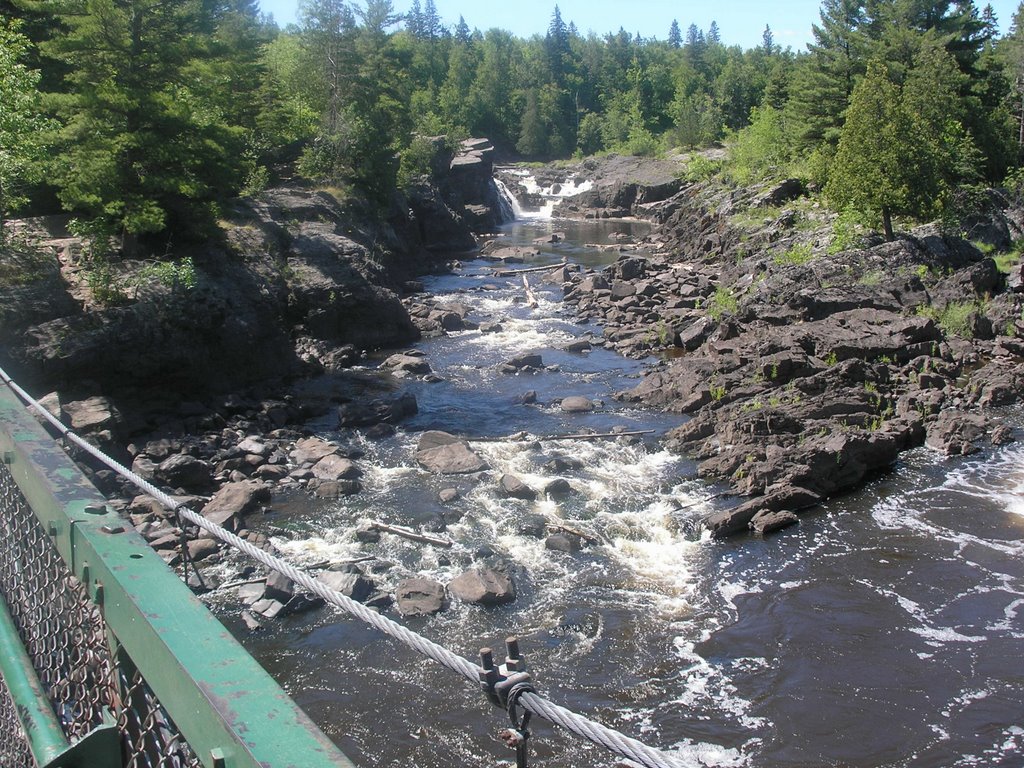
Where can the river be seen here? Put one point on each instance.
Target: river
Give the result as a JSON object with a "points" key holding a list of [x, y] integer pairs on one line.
{"points": [[887, 629]]}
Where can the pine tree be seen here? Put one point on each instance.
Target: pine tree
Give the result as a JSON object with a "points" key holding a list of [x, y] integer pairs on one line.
{"points": [[140, 149], [825, 79], [675, 37]]}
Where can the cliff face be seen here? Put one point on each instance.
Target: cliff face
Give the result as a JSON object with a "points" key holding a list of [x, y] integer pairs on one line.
{"points": [[298, 282]]}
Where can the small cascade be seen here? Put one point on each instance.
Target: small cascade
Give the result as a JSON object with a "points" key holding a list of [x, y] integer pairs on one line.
{"points": [[508, 206], [512, 208]]}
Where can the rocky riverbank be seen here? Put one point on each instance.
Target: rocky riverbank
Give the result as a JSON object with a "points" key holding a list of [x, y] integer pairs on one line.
{"points": [[806, 367]]}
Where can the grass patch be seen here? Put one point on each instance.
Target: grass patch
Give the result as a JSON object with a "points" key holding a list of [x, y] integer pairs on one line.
{"points": [[956, 318], [801, 253], [722, 302]]}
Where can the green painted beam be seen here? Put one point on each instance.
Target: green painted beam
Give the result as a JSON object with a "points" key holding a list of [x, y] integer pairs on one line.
{"points": [[228, 708], [45, 737]]}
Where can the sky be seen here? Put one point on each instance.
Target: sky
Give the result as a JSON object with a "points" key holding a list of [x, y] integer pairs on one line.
{"points": [[741, 22]]}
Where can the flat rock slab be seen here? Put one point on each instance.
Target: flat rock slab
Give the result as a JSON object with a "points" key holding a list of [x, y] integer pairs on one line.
{"points": [[336, 468], [445, 454], [483, 587], [311, 450], [419, 597]]}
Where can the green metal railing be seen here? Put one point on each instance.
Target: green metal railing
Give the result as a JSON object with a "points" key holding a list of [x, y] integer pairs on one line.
{"points": [[107, 658]]}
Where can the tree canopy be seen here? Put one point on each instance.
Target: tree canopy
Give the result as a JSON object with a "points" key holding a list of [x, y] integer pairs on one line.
{"points": [[163, 108]]}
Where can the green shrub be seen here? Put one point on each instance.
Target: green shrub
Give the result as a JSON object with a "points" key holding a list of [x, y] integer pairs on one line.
{"points": [[723, 301], [801, 253]]}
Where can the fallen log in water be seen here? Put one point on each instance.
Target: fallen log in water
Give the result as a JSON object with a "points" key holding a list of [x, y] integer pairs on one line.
{"points": [[577, 532], [528, 270], [408, 533], [520, 436]]}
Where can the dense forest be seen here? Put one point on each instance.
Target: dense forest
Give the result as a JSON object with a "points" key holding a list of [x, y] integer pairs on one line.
{"points": [[139, 116]]}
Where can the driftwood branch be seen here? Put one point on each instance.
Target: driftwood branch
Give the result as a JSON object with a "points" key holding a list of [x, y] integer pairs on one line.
{"points": [[531, 300], [577, 532], [520, 436], [408, 533], [528, 270]]}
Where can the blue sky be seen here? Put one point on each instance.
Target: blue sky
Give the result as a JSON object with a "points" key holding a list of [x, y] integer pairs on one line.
{"points": [[740, 21]]}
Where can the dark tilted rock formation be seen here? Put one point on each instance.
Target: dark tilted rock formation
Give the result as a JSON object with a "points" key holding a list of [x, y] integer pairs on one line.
{"points": [[802, 371]]}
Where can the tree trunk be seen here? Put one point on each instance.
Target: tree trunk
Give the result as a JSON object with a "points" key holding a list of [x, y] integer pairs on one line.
{"points": [[887, 223]]}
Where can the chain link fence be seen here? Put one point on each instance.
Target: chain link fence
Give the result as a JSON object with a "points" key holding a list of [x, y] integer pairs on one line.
{"points": [[88, 684]]}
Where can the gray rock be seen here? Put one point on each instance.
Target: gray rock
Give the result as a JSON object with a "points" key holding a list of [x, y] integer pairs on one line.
{"points": [[183, 471], [254, 446], [527, 361], [311, 450], [233, 502], [534, 526], [353, 585], [558, 488], [766, 522], [445, 454], [335, 489], [513, 488], [419, 597], [448, 495], [335, 467], [93, 414], [200, 549], [563, 542], [483, 587], [278, 587], [407, 364], [577, 404]]}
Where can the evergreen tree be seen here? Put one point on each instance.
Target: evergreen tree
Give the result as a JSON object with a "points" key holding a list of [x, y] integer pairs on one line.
{"points": [[825, 79], [414, 20], [903, 151], [22, 124], [675, 37], [139, 147]]}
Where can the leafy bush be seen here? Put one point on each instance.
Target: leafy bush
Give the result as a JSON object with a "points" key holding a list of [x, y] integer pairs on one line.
{"points": [[800, 253]]}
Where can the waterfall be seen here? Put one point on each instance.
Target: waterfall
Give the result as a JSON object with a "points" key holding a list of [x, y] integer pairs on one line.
{"points": [[507, 203], [512, 209]]}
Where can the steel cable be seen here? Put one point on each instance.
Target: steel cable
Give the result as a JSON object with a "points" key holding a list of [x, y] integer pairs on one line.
{"points": [[588, 729]]}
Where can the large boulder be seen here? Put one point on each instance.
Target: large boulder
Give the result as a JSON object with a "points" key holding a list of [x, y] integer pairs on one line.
{"points": [[184, 471], [483, 587], [233, 502], [445, 454], [419, 597]]}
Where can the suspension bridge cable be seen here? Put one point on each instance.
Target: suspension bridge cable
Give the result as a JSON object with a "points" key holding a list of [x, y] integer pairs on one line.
{"points": [[588, 729]]}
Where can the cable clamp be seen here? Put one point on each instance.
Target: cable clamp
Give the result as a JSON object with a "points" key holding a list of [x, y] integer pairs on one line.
{"points": [[499, 682]]}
